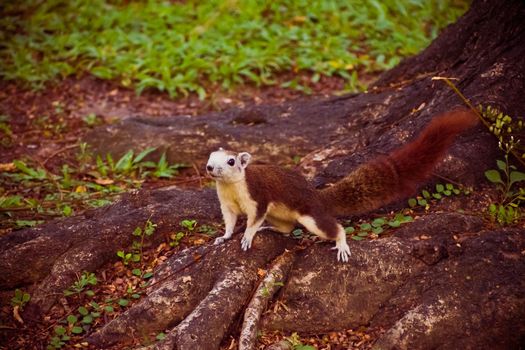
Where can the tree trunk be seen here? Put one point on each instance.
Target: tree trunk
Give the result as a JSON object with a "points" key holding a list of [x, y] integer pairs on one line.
{"points": [[445, 281]]}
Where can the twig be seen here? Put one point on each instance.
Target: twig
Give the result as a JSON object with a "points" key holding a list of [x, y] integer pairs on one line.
{"points": [[198, 173], [60, 151], [448, 180], [264, 293]]}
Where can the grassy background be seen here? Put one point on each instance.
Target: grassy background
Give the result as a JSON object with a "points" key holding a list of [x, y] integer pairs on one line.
{"points": [[183, 47]]}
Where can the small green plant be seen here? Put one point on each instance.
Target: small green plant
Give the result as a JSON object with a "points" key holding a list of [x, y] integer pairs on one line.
{"points": [[295, 340], [74, 324], [207, 230], [507, 210], [137, 246], [83, 281], [175, 238], [136, 254], [267, 287], [164, 170], [377, 227], [20, 299], [189, 224], [92, 119], [441, 190], [126, 257], [504, 127], [298, 233]]}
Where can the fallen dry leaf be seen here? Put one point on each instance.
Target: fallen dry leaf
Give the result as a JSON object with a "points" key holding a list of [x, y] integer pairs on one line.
{"points": [[7, 166], [16, 314], [104, 181]]}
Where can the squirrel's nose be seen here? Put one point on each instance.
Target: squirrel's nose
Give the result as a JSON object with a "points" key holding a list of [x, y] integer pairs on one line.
{"points": [[209, 168]]}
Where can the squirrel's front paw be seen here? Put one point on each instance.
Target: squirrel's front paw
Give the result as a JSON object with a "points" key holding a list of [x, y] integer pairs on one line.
{"points": [[246, 242], [220, 240]]}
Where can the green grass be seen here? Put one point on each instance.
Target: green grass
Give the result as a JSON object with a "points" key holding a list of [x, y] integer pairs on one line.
{"points": [[184, 47]]}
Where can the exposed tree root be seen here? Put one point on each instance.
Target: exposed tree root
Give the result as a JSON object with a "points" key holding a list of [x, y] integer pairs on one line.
{"points": [[275, 278]]}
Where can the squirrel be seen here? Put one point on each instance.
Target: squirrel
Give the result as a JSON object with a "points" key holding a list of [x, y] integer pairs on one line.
{"points": [[284, 197]]}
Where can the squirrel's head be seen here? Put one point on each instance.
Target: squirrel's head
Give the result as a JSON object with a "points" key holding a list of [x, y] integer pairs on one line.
{"points": [[227, 166]]}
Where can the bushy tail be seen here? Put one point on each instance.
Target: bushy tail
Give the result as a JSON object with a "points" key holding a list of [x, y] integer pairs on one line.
{"points": [[385, 179]]}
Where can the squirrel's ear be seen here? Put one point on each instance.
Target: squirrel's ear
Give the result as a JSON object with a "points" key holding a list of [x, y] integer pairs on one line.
{"points": [[244, 159]]}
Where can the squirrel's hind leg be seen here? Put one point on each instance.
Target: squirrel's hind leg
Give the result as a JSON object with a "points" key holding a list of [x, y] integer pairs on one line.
{"points": [[325, 226]]}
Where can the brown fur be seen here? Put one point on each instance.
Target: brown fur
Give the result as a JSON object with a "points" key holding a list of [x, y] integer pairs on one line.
{"points": [[272, 184], [388, 178]]}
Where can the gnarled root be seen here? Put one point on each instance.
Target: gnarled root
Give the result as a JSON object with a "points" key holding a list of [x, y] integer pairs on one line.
{"points": [[267, 288]]}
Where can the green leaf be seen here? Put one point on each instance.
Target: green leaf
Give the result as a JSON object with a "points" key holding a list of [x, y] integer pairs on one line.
{"points": [[516, 176], [297, 232], [147, 275], [135, 296], [377, 230], [160, 336], [26, 297], [123, 302], [83, 311], [143, 154], [394, 223], [90, 293], [108, 308], [349, 230], [412, 202], [365, 226], [303, 347], [125, 162], [67, 211], [136, 272], [493, 176], [422, 202], [88, 319], [137, 231], [59, 330], [407, 218], [439, 188], [72, 319], [102, 72], [357, 238], [425, 194], [378, 222], [436, 195], [449, 187], [501, 165], [363, 234], [77, 330]]}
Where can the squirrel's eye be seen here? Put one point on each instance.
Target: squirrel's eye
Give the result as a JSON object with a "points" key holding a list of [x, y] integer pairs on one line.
{"points": [[231, 162]]}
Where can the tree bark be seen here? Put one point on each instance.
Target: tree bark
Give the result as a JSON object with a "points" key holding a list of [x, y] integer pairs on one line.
{"points": [[461, 286]]}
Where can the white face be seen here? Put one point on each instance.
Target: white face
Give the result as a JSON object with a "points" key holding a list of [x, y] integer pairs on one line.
{"points": [[227, 167]]}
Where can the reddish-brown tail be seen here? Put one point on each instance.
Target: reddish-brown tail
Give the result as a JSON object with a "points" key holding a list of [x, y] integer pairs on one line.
{"points": [[385, 179]]}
